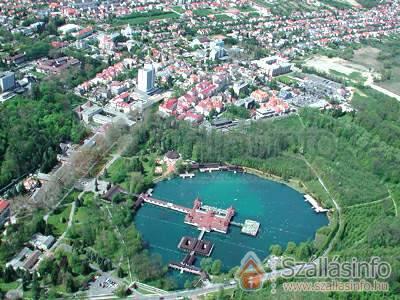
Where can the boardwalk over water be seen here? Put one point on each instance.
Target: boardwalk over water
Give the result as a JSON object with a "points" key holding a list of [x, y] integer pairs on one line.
{"points": [[183, 268], [186, 175], [237, 224], [318, 208], [201, 234], [165, 204]]}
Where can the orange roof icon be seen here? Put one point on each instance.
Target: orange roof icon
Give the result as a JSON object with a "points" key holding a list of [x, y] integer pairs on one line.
{"points": [[251, 272]]}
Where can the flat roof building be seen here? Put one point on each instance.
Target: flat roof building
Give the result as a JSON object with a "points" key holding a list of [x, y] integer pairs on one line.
{"points": [[68, 28], [7, 81], [25, 259]]}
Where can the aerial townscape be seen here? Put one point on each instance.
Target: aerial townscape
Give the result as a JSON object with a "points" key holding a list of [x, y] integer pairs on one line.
{"points": [[190, 149]]}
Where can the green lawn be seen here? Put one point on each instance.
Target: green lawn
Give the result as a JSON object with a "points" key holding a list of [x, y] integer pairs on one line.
{"points": [[355, 77], [247, 9], [287, 80], [144, 18], [119, 173], [179, 9], [8, 286], [56, 219], [204, 12], [82, 216], [71, 197], [223, 18]]}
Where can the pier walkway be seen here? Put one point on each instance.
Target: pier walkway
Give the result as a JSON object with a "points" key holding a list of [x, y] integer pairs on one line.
{"points": [[314, 204], [165, 204], [203, 170], [186, 175], [237, 224], [182, 268], [200, 237]]}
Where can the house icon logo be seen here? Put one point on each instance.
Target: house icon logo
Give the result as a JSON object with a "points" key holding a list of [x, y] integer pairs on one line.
{"points": [[251, 272]]}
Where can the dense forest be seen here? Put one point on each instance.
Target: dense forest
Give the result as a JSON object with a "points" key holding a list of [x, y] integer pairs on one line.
{"points": [[356, 154], [31, 128]]}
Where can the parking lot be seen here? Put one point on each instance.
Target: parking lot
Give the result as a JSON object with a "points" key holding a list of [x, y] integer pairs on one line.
{"points": [[103, 284]]}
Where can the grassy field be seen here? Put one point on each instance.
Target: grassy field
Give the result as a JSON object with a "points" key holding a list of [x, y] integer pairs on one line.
{"points": [[179, 9], [223, 17], [71, 197], [8, 286], [247, 9], [368, 57], [354, 77], [59, 219], [287, 80], [281, 7], [206, 11], [143, 18], [120, 171]]}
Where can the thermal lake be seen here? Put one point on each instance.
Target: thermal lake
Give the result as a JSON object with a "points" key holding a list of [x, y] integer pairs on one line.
{"points": [[281, 211]]}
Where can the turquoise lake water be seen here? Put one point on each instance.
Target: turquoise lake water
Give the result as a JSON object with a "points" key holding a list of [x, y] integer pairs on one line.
{"points": [[282, 212]]}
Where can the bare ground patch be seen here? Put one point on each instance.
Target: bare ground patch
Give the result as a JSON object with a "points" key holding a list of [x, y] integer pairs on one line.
{"points": [[367, 57], [326, 64]]}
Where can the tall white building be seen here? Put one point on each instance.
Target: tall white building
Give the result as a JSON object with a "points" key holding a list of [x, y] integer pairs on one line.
{"points": [[146, 78], [7, 81]]}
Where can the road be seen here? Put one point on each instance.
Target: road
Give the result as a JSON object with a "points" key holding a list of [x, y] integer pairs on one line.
{"points": [[54, 247], [337, 207], [118, 232], [70, 220], [174, 295], [60, 170], [370, 82], [110, 162]]}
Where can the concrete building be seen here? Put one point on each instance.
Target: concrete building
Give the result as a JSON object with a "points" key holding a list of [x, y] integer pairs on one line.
{"points": [[26, 259], [68, 28], [217, 53], [56, 66], [42, 242], [264, 112], [146, 78], [278, 69], [4, 212], [274, 65], [90, 112], [7, 81], [240, 87]]}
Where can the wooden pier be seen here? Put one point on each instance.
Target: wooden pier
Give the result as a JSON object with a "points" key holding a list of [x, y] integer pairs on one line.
{"points": [[164, 204], [202, 232], [183, 268], [203, 170], [187, 175], [315, 204], [237, 224]]}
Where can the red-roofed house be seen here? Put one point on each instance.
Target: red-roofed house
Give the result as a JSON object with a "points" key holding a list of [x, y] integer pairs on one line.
{"points": [[193, 118], [4, 211], [168, 106], [259, 96]]}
